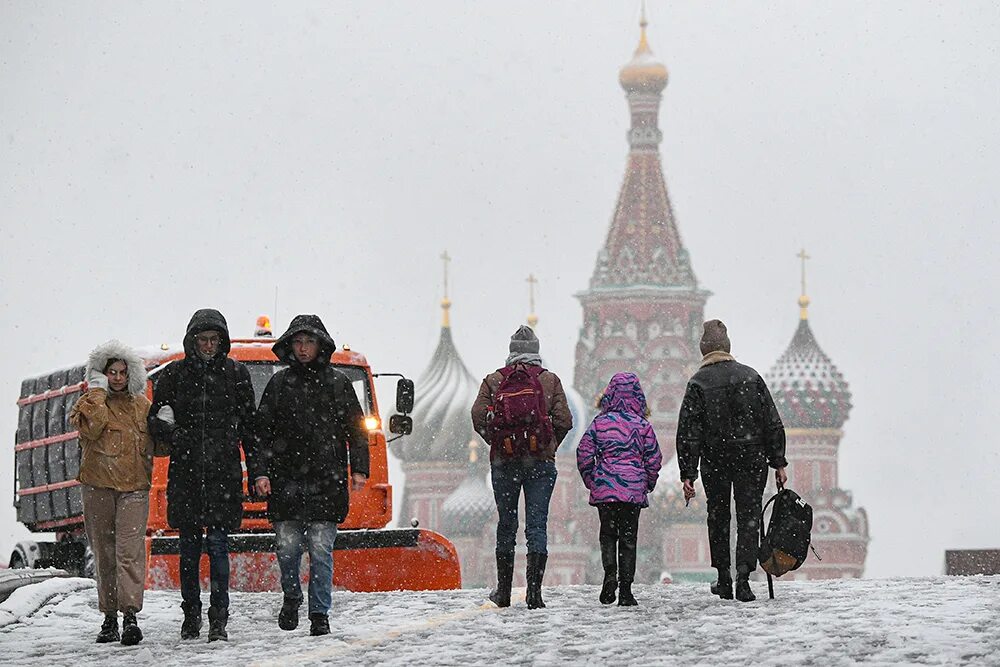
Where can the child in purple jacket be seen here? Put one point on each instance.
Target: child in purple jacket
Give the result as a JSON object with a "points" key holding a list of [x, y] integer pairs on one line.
{"points": [[619, 460]]}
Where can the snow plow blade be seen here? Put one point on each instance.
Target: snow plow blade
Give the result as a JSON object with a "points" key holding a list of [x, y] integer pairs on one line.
{"points": [[370, 561]]}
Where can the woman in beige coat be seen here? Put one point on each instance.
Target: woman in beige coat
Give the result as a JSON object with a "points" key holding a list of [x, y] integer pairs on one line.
{"points": [[115, 473]]}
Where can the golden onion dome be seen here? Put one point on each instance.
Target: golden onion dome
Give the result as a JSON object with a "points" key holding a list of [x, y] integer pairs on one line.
{"points": [[644, 72]]}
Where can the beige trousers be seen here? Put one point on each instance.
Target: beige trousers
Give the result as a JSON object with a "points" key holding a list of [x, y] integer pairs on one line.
{"points": [[116, 528]]}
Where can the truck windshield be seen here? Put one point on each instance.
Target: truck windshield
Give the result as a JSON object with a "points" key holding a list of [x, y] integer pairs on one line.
{"points": [[261, 372]]}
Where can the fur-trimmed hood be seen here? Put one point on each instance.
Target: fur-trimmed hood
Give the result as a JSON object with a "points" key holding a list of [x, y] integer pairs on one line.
{"points": [[310, 324], [114, 349]]}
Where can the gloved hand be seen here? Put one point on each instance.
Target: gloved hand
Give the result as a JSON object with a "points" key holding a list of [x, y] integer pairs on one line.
{"points": [[97, 380], [166, 415]]}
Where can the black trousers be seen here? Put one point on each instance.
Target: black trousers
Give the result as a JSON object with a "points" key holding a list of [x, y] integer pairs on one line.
{"points": [[738, 473], [619, 534]]}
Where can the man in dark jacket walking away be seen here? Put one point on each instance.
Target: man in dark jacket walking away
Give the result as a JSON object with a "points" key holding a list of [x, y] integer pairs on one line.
{"points": [[309, 422], [203, 407], [521, 410], [729, 424]]}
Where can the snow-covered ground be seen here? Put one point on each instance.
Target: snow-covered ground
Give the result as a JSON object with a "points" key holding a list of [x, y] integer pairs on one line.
{"points": [[936, 620]]}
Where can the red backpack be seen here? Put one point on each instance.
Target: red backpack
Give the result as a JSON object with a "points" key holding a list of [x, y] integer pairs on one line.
{"points": [[518, 420]]}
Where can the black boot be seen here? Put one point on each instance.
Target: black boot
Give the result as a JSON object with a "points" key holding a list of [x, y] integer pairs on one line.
{"points": [[609, 559], [625, 597], [626, 570], [131, 634], [534, 574], [109, 629], [218, 617], [743, 591], [191, 627], [288, 617], [319, 624], [723, 586], [505, 576]]}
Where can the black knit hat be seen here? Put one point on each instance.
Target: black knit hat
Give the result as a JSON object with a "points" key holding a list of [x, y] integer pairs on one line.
{"points": [[524, 341], [715, 338]]}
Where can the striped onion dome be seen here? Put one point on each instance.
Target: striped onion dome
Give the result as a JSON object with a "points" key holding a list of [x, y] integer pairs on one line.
{"points": [[467, 509], [442, 422], [808, 389]]}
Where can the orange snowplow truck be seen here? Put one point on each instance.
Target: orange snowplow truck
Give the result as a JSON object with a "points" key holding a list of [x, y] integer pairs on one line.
{"points": [[367, 555]]}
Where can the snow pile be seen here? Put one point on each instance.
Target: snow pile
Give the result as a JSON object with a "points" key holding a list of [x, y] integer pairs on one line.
{"points": [[28, 599], [937, 620]]}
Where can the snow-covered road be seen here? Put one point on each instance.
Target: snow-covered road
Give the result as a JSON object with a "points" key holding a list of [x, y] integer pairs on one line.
{"points": [[936, 620]]}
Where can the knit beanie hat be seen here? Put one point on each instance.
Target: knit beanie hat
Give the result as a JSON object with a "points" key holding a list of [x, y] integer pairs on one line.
{"points": [[715, 338], [524, 341]]}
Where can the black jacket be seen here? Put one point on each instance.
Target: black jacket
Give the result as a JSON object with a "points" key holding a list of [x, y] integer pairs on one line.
{"points": [[213, 406], [308, 423], [727, 404]]}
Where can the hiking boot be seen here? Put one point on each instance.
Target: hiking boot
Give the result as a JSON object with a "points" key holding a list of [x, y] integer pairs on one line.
{"points": [[288, 617], [319, 624], [131, 634], [625, 597], [109, 629], [218, 617], [500, 596], [743, 591], [534, 574], [191, 627], [723, 586], [608, 588]]}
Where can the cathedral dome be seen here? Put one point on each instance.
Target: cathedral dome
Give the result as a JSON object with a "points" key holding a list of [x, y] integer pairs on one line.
{"points": [[583, 413], [808, 389], [444, 393], [467, 509], [644, 73]]}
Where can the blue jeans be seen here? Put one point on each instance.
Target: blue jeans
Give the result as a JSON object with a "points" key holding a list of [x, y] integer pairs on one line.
{"points": [[216, 542], [291, 538], [537, 478]]}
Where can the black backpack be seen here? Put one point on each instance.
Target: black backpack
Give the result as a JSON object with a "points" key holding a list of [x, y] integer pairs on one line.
{"points": [[785, 544]]}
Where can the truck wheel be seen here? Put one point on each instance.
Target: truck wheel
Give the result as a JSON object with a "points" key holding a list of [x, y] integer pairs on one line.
{"points": [[89, 569], [16, 561]]}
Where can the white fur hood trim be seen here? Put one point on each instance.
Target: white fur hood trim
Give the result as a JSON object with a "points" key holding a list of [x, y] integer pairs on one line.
{"points": [[114, 349]]}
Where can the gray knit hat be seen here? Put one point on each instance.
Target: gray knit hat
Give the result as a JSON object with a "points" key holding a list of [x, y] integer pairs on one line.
{"points": [[715, 338], [524, 341]]}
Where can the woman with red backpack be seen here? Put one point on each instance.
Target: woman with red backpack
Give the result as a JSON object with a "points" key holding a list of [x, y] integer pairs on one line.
{"points": [[522, 412]]}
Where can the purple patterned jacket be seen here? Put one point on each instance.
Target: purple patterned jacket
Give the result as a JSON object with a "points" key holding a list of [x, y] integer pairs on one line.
{"points": [[619, 457]]}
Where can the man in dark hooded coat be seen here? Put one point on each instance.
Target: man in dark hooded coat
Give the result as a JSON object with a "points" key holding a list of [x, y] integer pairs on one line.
{"points": [[309, 423], [203, 407]]}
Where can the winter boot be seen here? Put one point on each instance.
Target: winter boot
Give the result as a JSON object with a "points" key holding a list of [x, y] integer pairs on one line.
{"points": [[534, 574], [131, 634], [626, 571], [319, 624], [625, 597], [218, 617], [191, 627], [608, 588], [609, 558], [723, 586], [109, 629], [505, 576], [743, 591], [288, 617]]}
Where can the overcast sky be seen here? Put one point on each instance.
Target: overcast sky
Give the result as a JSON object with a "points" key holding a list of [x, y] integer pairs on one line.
{"points": [[162, 157]]}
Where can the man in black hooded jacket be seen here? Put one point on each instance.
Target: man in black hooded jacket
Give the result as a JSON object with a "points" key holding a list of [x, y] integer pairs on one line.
{"points": [[308, 424], [203, 407]]}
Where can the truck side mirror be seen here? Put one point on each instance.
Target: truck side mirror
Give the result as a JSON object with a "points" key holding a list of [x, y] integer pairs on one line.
{"points": [[404, 396], [400, 424]]}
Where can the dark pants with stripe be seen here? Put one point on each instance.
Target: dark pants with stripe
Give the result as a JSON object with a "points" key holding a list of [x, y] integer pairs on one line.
{"points": [[740, 474], [619, 535]]}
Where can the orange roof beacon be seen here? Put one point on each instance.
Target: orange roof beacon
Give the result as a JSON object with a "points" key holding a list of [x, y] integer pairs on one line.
{"points": [[368, 556]]}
